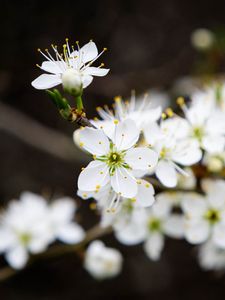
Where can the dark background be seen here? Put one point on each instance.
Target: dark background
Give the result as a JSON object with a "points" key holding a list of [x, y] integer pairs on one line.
{"points": [[149, 46]]}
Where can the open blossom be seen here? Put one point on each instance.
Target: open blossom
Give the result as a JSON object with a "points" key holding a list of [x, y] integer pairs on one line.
{"points": [[73, 68], [151, 225], [102, 262], [30, 225], [205, 215], [205, 124], [173, 147], [116, 160]]}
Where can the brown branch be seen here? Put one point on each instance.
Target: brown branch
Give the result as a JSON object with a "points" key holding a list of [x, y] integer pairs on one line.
{"points": [[58, 250], [36, 135]]}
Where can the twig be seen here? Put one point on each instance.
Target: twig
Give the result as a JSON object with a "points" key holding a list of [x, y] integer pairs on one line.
{"points": [[58, 250], [39, 136]]}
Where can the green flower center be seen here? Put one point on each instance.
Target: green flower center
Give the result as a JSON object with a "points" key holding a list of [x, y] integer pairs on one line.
{"points": [[198, 133], [24, 238], [212, 215], [154, 224]]}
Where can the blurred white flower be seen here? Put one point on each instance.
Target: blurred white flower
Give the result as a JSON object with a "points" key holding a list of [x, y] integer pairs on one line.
{"points": [[169, 140], [23, 229], [30, 225], [215, 162], [115, 161], [211, 257], [140, 112], [102, 262], [72, 68], [205, 124], [134, 225], [205, 215], [202, 39], [187, 182]]}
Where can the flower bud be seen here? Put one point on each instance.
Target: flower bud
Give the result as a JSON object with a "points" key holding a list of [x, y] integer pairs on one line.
{"points": [[102, 262], [202, 39], [72, 82]]}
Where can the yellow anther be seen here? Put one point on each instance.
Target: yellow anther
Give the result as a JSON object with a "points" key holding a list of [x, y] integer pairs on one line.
{"points": [[113, 210], [169, 112], [100, 143], [96, 119], [67, 39], [92, 206], [163, 115], [133, 199], [180, 101], [94, 156], [147, 185], [105, 49], [98, 108], [138, 181], [101, 172], [97, 187], [37, 65], [77, 42], [39, 50], [116, 122], [84, 195], [102, 65], [82, 168], [117, 98], [81, 144]]}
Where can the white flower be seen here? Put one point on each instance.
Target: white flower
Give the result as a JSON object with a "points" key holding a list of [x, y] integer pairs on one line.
{"points": [[30, 225], [187, 182], [140, 112], [205, 124], [211, 257], [24, 229], [215, 162], [72, 68], [205, 216], [109, 201], [134, 225], [173, 147], [115, 161], [102, 262], [61, 223]]}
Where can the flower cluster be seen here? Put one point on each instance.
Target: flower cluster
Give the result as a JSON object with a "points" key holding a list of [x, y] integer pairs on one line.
{"points": [[155, 173]]}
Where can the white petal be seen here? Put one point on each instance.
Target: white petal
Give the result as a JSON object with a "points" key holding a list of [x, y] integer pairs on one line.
{"points": [[166, 173], [131, 234], [194, 205], [53, 67], [7, 239], [46, 81], [86, 80], [145, 195], [174, 226], [152, 133], [126, 135], [94, 141], [124, 183], [40, 243], [95, 71], [213, 144], [197, 232], [62, 210], [154, 245], [17, 257], [219, 235], [71, 233], [95, 175], [88, 52], [187, 152], [141, 158]]}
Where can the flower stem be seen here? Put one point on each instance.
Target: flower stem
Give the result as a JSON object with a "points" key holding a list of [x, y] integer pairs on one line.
{"points": [[79, 103]]}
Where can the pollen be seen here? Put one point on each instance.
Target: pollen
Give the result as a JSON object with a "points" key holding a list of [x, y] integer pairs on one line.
{"points": [[92, 206], [180, 101], [105, 49], [169, 112]]}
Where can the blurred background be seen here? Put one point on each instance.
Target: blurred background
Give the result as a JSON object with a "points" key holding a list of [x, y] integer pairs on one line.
{"points": [[149, 47]]}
